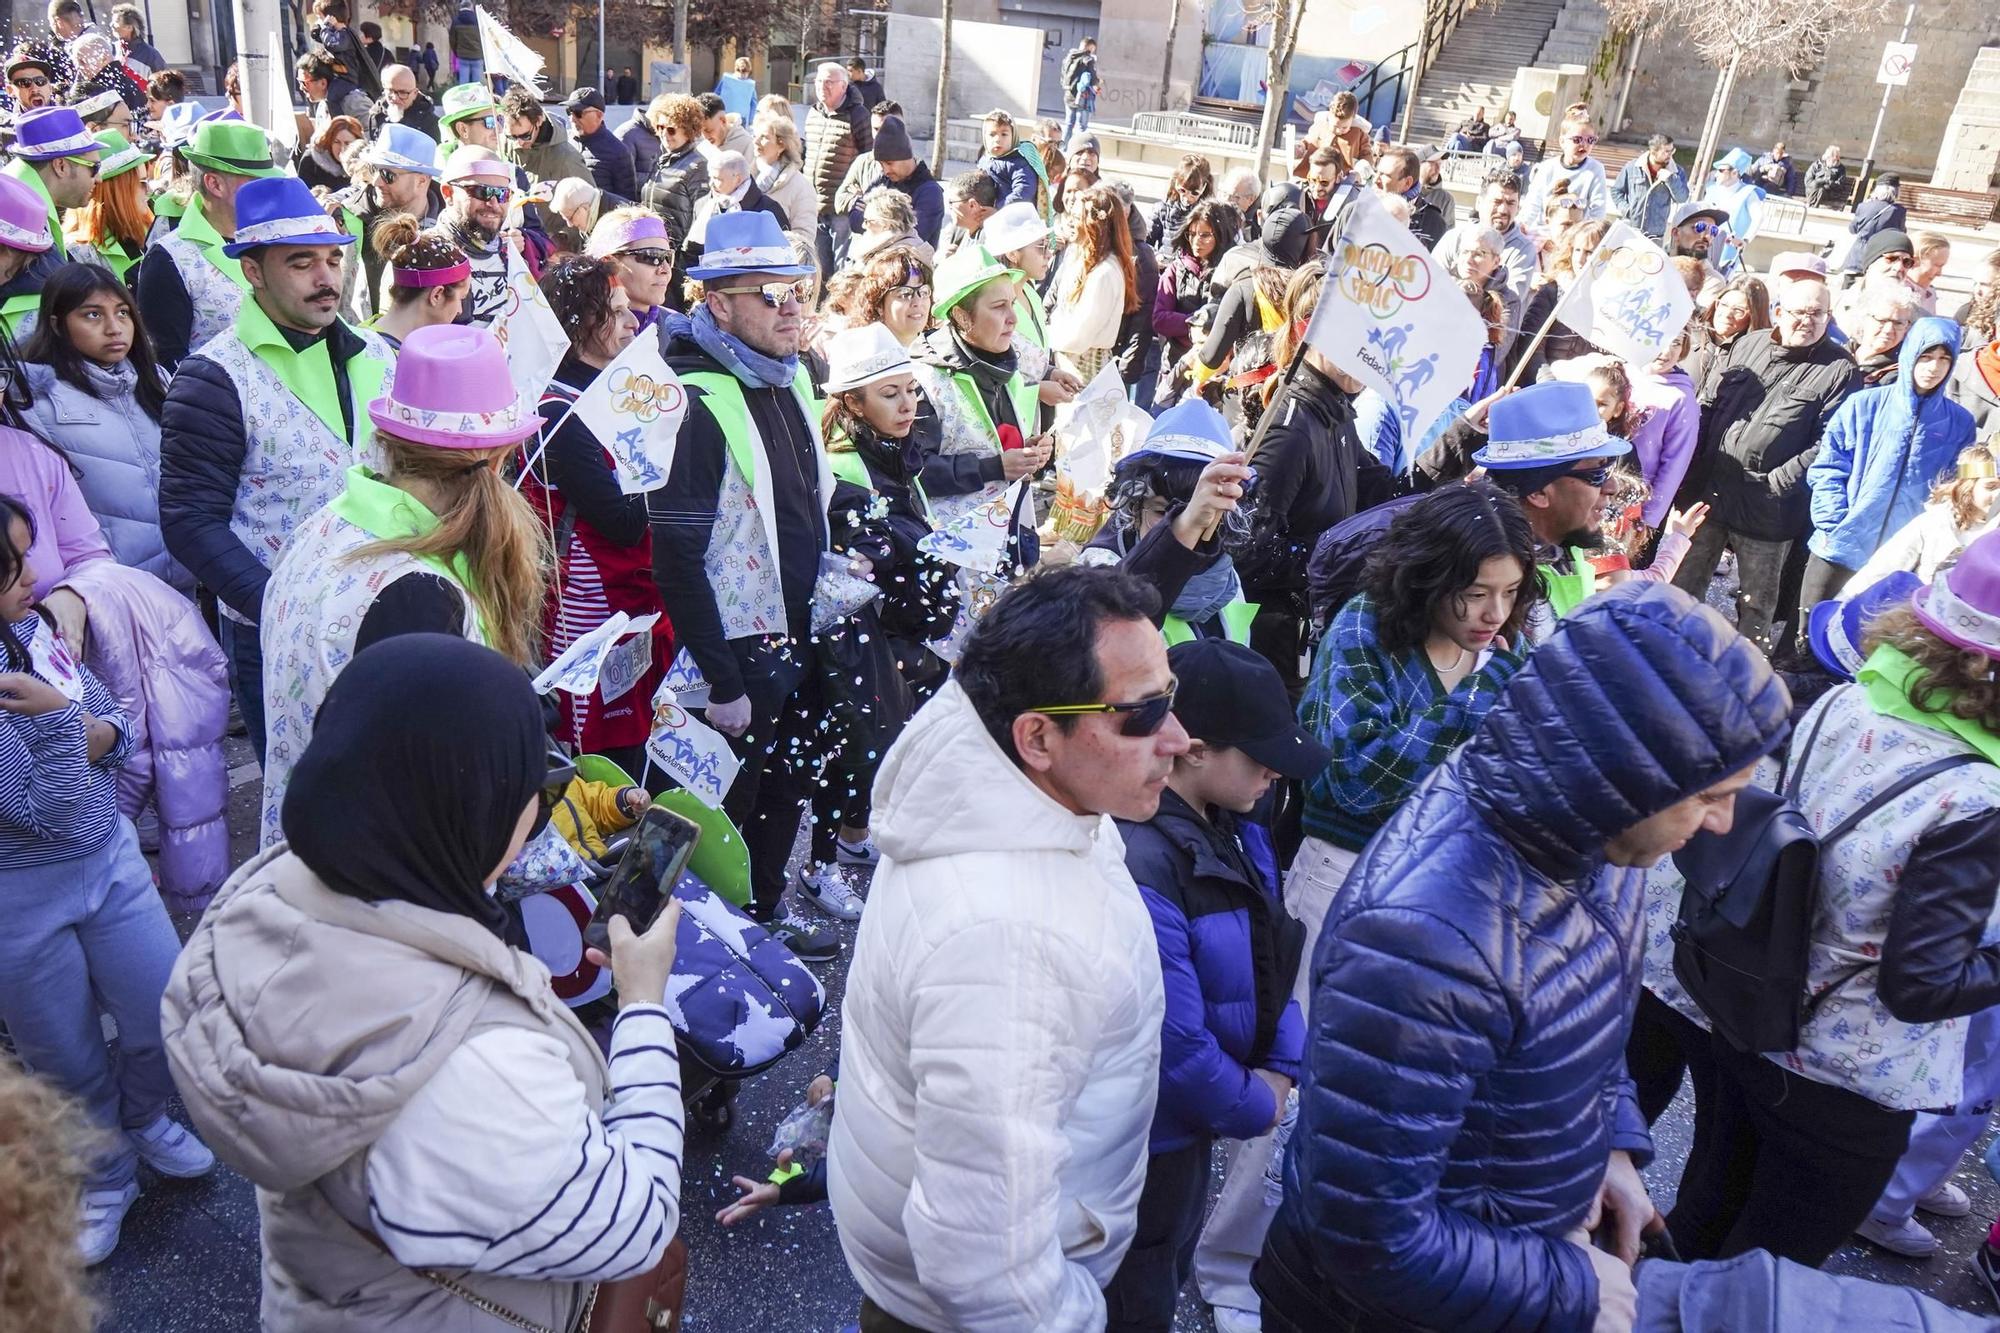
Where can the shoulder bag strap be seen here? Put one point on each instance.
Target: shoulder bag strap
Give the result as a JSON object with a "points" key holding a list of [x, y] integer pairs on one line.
{"points": [[1789, 781], [1895, 789]]}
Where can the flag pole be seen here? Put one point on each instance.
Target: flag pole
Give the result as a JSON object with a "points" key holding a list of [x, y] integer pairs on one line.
{"points": [[1298, 355], [1550, 322]]}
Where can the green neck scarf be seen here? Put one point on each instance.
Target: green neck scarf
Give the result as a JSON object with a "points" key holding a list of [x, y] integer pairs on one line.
{"points": [[1889, 675]]}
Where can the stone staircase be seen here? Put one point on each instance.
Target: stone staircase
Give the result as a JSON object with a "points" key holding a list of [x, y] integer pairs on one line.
{"points": [[1476, 67], [1578, 36]]}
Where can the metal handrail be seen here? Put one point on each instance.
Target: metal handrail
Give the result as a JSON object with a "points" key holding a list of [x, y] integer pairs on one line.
{"points": [[1401, 70], [1186, 126]]}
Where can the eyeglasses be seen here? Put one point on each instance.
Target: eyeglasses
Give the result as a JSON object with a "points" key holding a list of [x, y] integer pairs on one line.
{"points": [[36, 82], [651, 258], [489, 194], [1593, 477], [520, 138], [384, 176], [912, 293], [1703, 228], [89, 165], [1583, 139], [1143, 717], [775, 294], [490, 122]]}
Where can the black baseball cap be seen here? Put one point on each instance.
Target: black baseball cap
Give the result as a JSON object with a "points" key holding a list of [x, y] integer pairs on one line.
{"points": [[1229, 696], [584, 99]]}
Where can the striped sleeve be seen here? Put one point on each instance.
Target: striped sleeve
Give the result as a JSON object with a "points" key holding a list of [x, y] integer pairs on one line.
{"points": [[104, 706], [500, 1166], [44, 773]]}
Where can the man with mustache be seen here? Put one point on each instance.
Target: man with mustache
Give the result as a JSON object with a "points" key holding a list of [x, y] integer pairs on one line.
{"points": [[478, 190], [262, 422]]}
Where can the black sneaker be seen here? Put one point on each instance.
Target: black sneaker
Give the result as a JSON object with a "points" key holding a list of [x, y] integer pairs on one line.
{"points": [[809, 942], [1986, 1266]]}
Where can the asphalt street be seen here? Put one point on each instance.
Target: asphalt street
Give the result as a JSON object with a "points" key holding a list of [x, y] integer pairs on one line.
{"points": [[188, 1259]]}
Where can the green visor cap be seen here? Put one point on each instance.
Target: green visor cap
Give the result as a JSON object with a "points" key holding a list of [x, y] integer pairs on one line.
{"points": [[968, 269]]}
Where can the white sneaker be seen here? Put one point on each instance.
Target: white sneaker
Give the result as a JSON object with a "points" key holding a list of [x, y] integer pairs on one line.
{"points": [[103, 1214], [1229, 1319], [1912, 1239], [827, 889], [172, 1150], [1947, 1200], [863, 853]]}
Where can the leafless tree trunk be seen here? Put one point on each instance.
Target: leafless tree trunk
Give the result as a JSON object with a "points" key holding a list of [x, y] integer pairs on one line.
{"points": [[938, 131], [1283, 16], [1167, 68], [681, 35], [1746, 36]]}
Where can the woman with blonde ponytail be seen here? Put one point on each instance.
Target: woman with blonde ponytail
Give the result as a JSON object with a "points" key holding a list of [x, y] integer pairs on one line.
{"points": [[440, 543]]}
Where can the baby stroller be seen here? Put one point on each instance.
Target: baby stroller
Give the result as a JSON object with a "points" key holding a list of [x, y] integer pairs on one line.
{"points": [[739, 1000]]}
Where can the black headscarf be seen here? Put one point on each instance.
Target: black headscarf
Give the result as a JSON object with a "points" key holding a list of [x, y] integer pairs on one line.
{"points": [[424, 753]]}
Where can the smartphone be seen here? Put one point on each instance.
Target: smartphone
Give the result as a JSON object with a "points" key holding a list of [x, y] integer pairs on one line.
{"points": [[662, 842]]}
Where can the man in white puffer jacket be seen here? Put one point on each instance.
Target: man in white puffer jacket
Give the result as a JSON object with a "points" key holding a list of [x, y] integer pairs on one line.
{"points": [[1001, 1042]]}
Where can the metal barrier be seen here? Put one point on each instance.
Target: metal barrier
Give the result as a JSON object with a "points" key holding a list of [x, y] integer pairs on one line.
{"points": [[1182, 127]]}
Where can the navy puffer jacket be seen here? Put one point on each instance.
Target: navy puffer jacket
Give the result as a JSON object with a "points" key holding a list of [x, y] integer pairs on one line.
{"points": [[1473, 987], [1228, 953]]}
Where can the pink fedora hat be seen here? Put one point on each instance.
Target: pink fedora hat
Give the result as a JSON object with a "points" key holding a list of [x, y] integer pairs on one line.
{"points": [[1962, 604], [452, 391], [24, 218]]}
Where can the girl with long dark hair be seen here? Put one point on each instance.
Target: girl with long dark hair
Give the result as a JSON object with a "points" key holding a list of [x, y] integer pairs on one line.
{"points": [[1207, 233], [86, 932], [97, 391]]}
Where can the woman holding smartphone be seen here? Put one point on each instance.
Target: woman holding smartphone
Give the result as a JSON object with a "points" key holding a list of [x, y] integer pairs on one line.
{"points": [[443, 1146]]}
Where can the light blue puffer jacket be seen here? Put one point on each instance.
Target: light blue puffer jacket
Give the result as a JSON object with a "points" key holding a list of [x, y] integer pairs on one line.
{"points": [[1882, 451], [115, 447]]}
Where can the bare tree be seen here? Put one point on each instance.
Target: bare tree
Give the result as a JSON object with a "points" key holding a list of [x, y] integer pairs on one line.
{"points": [[1167, 70], [1282, 16], [1745, 36], [940, 123]]}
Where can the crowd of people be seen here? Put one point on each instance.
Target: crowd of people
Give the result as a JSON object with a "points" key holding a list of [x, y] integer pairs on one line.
{"points": [[1315, 790]]}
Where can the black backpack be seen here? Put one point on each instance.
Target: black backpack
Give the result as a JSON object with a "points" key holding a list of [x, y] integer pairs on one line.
{"points": [[1743, 934]]}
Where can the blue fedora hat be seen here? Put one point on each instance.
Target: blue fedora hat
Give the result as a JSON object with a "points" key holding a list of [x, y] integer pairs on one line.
{"points": [[1190, 431], [1546, 424], [403, 148], [747, 242], [281, 210], [50, 132], [1836, 626]]}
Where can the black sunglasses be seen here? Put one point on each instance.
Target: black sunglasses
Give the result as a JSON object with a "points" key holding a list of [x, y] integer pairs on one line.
{"points": [[31, 83], [651, 258], [1143, 717], [1591, 476]]}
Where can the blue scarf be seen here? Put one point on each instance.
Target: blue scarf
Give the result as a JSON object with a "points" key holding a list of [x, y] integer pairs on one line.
{"points": [[1204, 595], [738, 357]]}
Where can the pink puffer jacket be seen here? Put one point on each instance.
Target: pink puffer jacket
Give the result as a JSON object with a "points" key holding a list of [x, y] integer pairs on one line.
{"points": [[148, 644]]}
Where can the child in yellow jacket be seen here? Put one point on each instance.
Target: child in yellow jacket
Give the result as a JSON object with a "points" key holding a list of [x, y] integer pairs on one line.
{"points": [[590, 811]]}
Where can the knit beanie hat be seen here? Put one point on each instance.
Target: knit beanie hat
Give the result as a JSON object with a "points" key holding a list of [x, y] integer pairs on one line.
{"points": [[1888, 241], [892, 141]]}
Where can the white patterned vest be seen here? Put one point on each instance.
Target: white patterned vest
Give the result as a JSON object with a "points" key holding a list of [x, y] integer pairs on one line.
{"points": [[294, 464], [1853, 1041], [742, 555], [313, 609], [213, 294]]}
